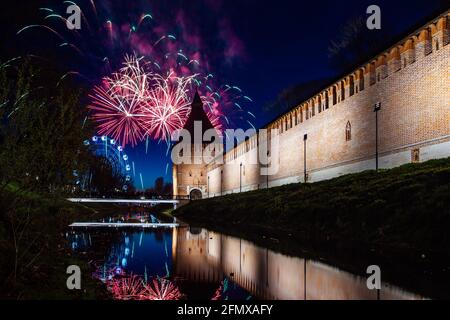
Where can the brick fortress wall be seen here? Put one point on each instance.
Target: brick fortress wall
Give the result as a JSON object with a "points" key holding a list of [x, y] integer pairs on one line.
{"points": [[411, 81]]}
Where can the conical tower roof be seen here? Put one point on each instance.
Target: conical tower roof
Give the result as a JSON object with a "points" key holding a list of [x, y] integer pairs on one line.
{"points": [[197, 114]]}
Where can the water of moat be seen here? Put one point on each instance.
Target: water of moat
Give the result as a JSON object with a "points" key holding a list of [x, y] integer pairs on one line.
{"points": [[192, 263]]}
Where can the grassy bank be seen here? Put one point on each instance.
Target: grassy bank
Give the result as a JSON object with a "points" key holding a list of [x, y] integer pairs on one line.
{"points": [[403, 214], [33, 248]]}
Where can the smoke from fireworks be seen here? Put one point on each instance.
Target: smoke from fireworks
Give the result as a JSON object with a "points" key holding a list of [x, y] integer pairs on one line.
{"points": [[149, 96]]}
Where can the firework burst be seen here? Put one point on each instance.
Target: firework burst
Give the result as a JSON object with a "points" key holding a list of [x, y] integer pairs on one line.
{"points": [[116, 103], [115, 109], [128, 288], [136, 103], [146, 97], [162, 289], [167, 105]]}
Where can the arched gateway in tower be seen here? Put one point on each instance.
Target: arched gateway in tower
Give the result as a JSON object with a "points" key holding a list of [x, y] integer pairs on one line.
{"points": [[190, 179]]}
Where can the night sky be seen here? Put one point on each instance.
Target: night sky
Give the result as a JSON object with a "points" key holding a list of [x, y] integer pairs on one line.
{"points": [[263, 47]]}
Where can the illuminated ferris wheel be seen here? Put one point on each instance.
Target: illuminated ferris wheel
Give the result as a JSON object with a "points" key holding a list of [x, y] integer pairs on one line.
{"points": [[108, 148]]}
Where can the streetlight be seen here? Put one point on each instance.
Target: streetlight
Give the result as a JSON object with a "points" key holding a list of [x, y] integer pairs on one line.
{"points": [[376, 109], [304, 278], [221, 182], [240, 178], [267, 173], [305, 138]]}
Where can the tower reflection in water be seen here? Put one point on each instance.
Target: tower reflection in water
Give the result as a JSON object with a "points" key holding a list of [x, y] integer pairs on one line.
{"points": [[210, 265]]}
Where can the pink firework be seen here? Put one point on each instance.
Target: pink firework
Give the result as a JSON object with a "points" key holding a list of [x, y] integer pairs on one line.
{"points": [[212, 108], [115, 109], [116, 104], [162, 289], [218, 293], [167, 105], [140, 102], [136, 103], [129, 288], [118, 100]]}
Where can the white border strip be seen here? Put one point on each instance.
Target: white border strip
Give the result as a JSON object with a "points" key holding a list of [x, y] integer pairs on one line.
{"points": [[123, 225], [88, 200]]}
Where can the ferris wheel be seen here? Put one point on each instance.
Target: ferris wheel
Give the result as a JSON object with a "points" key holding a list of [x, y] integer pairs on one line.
{"points": [[108, 148]]}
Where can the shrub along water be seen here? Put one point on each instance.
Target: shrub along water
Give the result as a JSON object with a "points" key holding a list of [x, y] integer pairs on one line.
{"points": [[33, 249]]}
